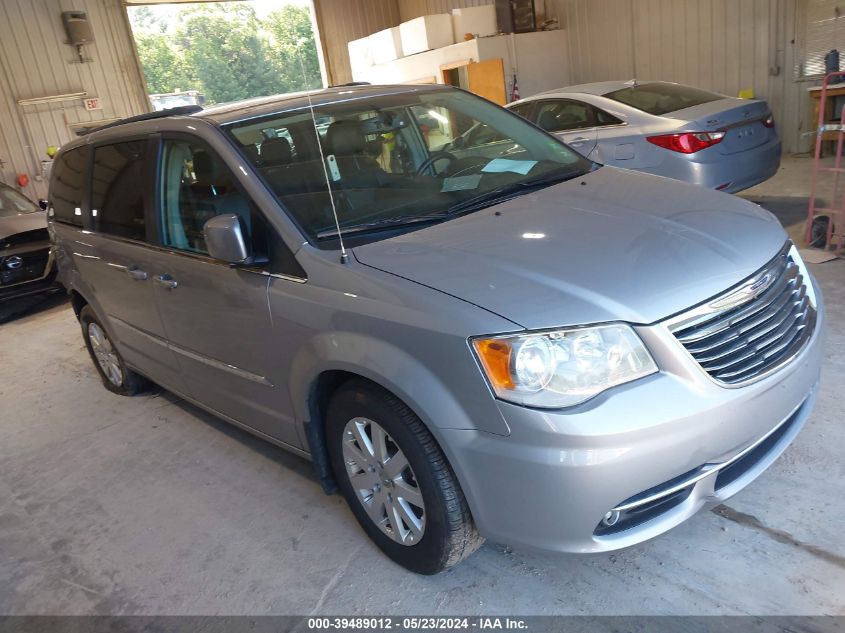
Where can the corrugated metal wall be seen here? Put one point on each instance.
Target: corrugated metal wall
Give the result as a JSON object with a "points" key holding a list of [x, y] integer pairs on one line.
{"points": [[35, 62], [410, 9], [341, 21], [723, 45]]}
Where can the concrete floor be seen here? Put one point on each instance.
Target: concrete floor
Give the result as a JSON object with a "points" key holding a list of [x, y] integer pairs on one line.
{"points": [[148, 506]]}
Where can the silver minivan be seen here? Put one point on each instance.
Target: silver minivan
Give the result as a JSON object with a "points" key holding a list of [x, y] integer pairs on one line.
{"points": [[506, 341]]}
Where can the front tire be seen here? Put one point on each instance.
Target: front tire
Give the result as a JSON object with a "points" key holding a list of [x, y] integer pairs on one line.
{"points": [[116, 376], [397, 481]]}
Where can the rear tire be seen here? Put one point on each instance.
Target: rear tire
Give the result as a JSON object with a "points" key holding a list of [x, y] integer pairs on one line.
{"points": [[114, 373], [405, 495]]}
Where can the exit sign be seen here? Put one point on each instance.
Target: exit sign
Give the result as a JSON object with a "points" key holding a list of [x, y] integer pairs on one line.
{"points": [[93, 103]]}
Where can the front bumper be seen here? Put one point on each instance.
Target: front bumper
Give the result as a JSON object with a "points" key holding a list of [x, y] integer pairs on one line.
{"points": [[673, 443]]}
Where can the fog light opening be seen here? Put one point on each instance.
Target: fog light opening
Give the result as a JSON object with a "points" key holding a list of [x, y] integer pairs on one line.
{"points": [[610, 519]]}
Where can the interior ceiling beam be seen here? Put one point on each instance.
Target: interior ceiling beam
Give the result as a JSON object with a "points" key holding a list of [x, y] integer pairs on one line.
{"points": [[140, 2]]}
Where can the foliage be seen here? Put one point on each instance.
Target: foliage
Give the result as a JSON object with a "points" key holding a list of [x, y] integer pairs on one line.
{"points": [[294, 47], [226, 52], [164, 68]]}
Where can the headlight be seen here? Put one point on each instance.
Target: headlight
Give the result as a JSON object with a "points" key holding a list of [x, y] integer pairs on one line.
{"points": [[564, 367]]}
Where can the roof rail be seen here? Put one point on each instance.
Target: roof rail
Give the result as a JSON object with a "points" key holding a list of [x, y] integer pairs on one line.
{"points": [[159, 114], [352, 83]]}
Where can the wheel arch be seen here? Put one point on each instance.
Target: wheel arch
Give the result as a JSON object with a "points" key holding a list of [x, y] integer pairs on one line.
{"points": [[326, 363], [77, 301], [323, 388]]}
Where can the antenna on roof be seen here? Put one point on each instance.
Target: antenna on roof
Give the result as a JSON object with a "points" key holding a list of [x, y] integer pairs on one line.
{"points": [[344, 257]]}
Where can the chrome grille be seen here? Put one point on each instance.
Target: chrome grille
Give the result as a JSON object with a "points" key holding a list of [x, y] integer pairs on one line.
{"points": [[19, 267], [752, 329]]}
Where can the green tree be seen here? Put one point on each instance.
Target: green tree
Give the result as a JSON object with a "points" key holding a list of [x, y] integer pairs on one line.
{"points": [[294, 47], [224, 51], [146, 19], [164, 65], [224, 45]]}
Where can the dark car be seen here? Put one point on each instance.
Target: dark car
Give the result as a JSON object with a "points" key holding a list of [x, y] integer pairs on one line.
{"points": [[26, 263]]}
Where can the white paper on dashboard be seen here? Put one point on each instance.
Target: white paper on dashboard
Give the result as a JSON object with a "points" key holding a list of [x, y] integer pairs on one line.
{"points": [[499, 165]]}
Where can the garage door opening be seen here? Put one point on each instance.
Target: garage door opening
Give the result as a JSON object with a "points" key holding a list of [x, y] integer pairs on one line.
{"points": [[216, 52]]}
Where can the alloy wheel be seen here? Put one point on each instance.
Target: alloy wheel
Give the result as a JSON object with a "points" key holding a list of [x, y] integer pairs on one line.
{"points": [[105, 354], [384, 481]]}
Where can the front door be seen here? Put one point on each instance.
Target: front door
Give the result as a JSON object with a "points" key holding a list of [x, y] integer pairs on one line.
{"points": [[216, 317]]}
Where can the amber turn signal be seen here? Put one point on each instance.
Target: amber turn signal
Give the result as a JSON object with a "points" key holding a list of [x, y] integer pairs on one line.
{"points": [[495, 355]]}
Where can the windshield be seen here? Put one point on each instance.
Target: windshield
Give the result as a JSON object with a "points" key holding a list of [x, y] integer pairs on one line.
{"points": [[13, 203], [398, 161], [660, 98]]}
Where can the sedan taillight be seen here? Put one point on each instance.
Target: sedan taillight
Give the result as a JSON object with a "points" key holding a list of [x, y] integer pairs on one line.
{"points": [[769, 121], [687, 142]]}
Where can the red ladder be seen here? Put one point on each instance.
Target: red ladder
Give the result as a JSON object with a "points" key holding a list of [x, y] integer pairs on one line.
{"points": [[835, 215]]}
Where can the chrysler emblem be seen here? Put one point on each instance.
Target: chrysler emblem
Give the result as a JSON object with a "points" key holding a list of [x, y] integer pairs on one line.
{"points": [[762, 283], [751, 290], [14, 262]]}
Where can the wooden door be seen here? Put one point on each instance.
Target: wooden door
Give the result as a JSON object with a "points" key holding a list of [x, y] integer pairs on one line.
{"points": [[487, 79]]}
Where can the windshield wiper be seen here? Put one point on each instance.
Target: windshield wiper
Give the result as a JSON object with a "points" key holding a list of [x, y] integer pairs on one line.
{"points": [[486, 199], [513, 190], [383, 224]]}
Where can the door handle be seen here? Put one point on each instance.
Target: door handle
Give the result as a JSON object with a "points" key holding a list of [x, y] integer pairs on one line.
{"points": [[136, 273], [165, 280], [579, 140]]}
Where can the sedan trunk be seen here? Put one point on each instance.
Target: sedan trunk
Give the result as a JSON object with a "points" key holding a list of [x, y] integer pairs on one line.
{"points": [[740, 119]]}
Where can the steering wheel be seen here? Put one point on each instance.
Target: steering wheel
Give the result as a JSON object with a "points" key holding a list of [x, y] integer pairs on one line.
{"points": [[433, 158]]}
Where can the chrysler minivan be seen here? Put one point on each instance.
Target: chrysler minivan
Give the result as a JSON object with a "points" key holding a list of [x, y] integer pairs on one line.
{"points": [[502, 341]]}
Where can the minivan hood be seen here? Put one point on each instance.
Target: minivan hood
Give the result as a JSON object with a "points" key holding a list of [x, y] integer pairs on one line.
{"points": [[613, 245]]}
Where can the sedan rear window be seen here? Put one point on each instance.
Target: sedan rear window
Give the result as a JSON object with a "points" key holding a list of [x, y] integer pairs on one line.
{"points": [[661, 98]]}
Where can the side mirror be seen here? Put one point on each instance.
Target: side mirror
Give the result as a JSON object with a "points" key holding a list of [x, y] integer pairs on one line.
{"points": [[224, 239], [44, 204]]}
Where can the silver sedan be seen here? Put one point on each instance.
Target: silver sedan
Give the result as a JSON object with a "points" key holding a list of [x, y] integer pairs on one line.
{"points": [[663, 128]]}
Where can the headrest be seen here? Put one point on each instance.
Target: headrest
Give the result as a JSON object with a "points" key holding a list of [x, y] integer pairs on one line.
{"points": [[548, 120], [251, 152], [276, 151], [205, 167], [345, 138]]}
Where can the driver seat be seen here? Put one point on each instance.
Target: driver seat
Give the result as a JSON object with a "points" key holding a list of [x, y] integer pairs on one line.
{"points": [[345, 139]]}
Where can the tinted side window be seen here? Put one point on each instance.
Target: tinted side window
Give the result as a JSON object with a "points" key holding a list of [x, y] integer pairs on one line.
{"points": [[67, 185], [603, 118], [117, 189], [196, 186], [523, 109], [559, 116]]}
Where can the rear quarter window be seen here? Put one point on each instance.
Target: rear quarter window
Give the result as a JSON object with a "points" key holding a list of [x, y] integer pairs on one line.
{"points": [[67, 185], [662, 98]]}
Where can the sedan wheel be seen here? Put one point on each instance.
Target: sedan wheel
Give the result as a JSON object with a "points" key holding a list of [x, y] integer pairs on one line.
{"points": [[383, 481]]}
